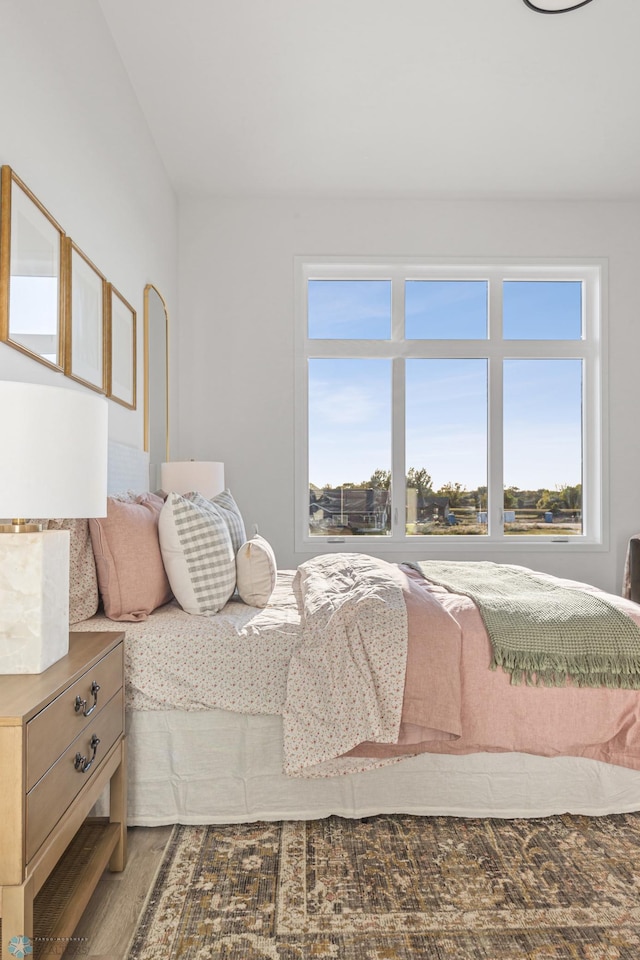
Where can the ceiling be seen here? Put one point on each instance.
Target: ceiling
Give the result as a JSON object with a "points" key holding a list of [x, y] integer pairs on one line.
{"points": [[387, 98]]}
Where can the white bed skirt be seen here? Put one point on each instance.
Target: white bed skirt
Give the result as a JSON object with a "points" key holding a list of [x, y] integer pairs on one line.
{"points": [[222, 767]]}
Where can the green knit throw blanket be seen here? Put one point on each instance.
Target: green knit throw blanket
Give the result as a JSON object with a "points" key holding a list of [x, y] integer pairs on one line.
{"points": [[542, 632]]}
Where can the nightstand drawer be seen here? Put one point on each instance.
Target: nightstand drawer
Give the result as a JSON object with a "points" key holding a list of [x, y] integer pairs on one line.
{"points": [[53, 729], [51, 796], [40, 820]]}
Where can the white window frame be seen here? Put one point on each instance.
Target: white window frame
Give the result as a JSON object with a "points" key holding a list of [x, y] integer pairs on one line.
{"points": [[591, 349]]}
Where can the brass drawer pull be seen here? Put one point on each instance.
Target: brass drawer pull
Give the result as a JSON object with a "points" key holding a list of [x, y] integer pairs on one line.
{"points": [[81, 763], [81, 705]]}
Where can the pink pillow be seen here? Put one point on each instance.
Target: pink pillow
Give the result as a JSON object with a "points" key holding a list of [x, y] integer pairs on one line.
{"points": [[131, 574]]}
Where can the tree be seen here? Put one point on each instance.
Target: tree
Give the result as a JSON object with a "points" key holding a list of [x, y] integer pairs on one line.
{"points": [[550, 502], [380, 479], [454, 492], [421, 480], [510, 497], [572, 495], [564, 497]]}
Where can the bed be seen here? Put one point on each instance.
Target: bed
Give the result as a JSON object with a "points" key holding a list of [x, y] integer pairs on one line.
{"points": [[209, 719]]}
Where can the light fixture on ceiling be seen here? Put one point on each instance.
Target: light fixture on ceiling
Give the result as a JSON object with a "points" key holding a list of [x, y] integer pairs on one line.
{"points": [[554, 6]]}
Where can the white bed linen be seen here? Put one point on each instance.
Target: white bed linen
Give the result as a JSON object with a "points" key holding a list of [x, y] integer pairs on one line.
{"points": [[234, 660], [222, 767]]}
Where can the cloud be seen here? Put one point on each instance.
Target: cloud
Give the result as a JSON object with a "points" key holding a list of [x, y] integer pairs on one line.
{"points": [[350, 405]]}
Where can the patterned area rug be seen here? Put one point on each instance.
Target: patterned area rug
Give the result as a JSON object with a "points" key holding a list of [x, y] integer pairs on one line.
{"points": [[398, 887]]}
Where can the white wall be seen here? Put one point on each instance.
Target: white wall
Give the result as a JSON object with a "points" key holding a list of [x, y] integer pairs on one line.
{"points": [[72, 129], [236, 366]]}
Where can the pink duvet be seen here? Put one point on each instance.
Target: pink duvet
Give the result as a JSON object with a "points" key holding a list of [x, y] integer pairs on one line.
{"points": [[454, 702]]}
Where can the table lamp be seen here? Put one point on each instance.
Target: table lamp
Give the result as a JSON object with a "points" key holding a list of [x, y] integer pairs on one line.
{"points": [[184, 476], [53, 465]]}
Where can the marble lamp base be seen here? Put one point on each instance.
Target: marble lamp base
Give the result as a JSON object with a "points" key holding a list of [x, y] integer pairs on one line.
{"points": [[34, 600]]}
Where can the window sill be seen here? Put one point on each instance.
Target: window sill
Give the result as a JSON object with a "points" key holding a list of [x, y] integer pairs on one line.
{"points": [[447, 546]]}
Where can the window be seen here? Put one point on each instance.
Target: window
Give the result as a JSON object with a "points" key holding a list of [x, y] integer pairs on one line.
{"points": [[449, 402]]}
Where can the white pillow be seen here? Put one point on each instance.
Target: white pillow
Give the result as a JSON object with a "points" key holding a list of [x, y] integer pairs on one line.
{"points": [[197, 553], [256, 571]]}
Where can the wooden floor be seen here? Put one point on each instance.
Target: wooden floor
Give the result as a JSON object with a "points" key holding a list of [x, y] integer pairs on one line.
{"points": [[111, 917]]}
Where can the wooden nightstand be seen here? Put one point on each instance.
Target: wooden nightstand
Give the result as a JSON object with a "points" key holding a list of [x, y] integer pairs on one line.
{"points": [[61, 742]]}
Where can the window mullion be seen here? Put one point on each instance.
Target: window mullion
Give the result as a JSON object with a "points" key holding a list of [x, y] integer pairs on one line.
{"points": [[495, 401], [398, 419], [397, 307], [495, 478], [398, 456]]}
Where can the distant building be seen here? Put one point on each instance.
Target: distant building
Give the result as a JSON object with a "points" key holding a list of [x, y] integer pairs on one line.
{"points": [[358, 509], [434, 508], [426, 509]]}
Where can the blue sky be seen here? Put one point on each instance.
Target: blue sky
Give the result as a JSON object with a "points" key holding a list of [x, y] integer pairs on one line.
{"points": [[446, 429]]}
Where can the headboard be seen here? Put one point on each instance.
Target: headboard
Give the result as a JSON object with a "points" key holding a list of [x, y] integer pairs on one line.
{"points": [[128, 469]]}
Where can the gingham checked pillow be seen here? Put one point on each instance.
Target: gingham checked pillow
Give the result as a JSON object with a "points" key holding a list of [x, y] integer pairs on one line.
{"points": [[230, 511], [197, 552]]}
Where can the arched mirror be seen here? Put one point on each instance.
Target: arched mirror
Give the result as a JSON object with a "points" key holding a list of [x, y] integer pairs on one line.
{"points": [[156, 381]]}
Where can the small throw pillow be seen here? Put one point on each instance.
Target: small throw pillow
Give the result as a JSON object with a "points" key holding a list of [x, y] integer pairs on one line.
{"points": [[131, 575], [197, 552], [227, 506], [256, 571]]}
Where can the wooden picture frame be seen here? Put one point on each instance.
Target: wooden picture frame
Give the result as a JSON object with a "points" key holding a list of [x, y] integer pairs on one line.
{"points": [[32, 274], [121, 373], [86, 345]]}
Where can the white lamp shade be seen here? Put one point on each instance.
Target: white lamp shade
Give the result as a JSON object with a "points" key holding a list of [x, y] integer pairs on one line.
{"points": [[184, 476], [53, 455]]}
